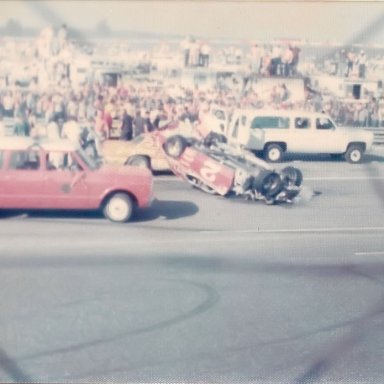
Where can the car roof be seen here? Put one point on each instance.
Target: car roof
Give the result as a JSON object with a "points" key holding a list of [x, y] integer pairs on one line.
{"points": [[23, 143], [279, 112]]}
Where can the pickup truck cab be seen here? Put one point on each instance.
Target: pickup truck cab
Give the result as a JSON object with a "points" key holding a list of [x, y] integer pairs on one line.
{"points": [[274, 132]]}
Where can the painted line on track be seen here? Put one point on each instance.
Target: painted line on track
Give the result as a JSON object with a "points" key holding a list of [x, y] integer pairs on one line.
{"points": [[300, 230], [374, 253], [326, 178]]}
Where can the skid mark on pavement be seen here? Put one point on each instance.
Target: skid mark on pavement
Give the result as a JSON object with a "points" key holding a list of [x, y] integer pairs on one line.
{"points": [[211, 298]]}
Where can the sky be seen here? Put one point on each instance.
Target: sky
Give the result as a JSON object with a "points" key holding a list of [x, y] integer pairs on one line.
{"points": [[313, 20]]}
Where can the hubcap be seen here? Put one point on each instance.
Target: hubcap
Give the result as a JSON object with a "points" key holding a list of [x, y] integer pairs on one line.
{"points": [[355, 155], [274, 154], [118, 209]]}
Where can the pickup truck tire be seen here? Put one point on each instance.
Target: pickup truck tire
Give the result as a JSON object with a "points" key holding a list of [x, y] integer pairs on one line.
{"points": [[139, 161], [273, 153], [354, 154], [175, 146], [292, 176], [118, 208], [268, 183]]}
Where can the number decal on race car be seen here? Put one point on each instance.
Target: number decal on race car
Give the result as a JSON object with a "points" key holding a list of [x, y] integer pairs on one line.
{"points": [[209, 170]]}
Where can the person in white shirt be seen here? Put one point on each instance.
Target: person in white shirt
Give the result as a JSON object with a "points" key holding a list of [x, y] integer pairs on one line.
{"points": [[71, 130]]}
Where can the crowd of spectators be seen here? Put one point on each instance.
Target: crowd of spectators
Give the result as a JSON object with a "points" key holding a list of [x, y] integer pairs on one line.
{"points": [[131, 108]]}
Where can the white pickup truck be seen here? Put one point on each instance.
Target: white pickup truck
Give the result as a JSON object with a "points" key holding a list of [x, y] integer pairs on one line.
{"points": [[273, 132]]}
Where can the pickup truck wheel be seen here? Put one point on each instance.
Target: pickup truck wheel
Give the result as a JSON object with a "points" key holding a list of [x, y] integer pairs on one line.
{"points": [[354, 154], [292, 176], [119, 208], [175, 146], [268, 183], [139, 161], [273, 153]]}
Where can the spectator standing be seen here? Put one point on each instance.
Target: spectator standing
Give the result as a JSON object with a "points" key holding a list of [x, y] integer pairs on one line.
{"points": [[138, 124], [256, 55], [71, 130], [2, 127], [53, 130], [350, 57], [8, 104], [361, 64], [126, 126], [276, 60], [21, 126], [205, 52], [363, 116], [287, 59], [148, 126]]}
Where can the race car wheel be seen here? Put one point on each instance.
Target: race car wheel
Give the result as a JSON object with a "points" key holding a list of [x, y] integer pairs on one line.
{"points": [[268, 183], [292, 176], [175, 146], [118, 208], [273, 153], [354, 154], [139, 161]]}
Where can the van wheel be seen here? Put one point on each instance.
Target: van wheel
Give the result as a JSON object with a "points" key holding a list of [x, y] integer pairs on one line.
{"points": [[354, 154], [268, 183], [138, 161], [292, 176], [119, 208], [273, 153], [175, 146]]}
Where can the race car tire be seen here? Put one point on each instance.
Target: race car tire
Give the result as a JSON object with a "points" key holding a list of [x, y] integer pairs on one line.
{"points": [[292, 176], [175, 146], [354, 154], [118, 208], [273, 153], [268, 183], [139, 161]]}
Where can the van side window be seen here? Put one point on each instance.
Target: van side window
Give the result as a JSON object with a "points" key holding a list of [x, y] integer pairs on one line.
{"points": [[302, 123], [324, 123], [277, 122], [25, 160]]}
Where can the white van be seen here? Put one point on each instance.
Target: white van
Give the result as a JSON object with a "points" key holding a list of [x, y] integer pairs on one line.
{"points": [[273, 132]]}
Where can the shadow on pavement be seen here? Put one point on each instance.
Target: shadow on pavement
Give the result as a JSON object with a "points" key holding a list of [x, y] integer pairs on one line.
{"points": [[169, 210], [367, 158]]}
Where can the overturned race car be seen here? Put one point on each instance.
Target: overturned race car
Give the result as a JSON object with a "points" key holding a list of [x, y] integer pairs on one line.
{"points": [[216, 168]]}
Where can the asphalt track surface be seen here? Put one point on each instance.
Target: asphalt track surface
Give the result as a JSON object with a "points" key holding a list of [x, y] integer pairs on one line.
{"points": [[200, 288]]}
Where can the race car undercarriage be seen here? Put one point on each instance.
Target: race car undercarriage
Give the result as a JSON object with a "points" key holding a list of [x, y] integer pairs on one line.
{"points": [[231, 172]]}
